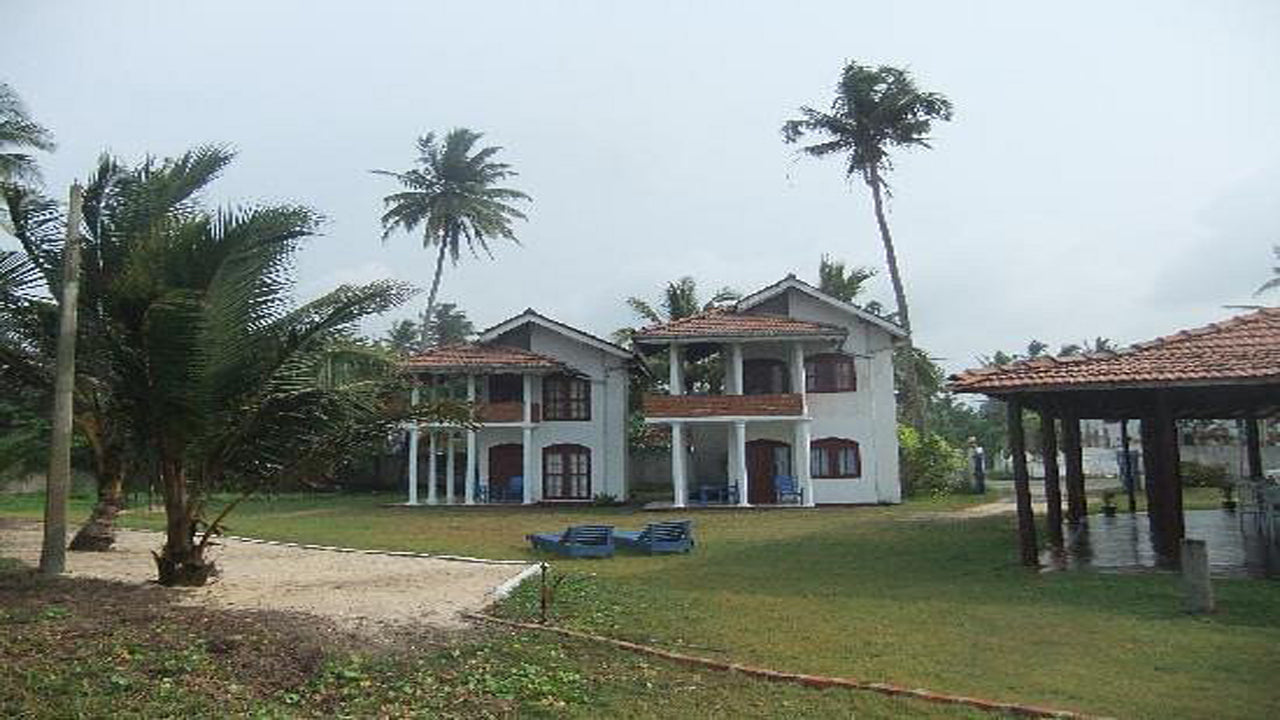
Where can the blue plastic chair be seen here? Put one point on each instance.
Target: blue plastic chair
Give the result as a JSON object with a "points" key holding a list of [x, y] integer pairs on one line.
{"points": [[672, 536], [515, 489], [577, 541], [785, 487]]}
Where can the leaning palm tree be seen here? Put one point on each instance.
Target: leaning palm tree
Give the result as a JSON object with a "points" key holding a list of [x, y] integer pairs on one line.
{"points": [[19, 134], [453, 195], [876, 109]]}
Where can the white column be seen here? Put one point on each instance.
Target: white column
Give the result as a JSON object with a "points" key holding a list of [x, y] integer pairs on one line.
{"points": [[528, 399], [433, 470], [451, 469], [739, 450], [469, 473], [526, 442], [679, 482], [676, 378], [800, 461], [735, 369], [413, 452], [527, 467], [797, 372]]}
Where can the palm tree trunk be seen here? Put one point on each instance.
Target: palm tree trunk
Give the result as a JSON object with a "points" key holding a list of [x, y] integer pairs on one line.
{"points": [[53, 551], [431, 297], [181, 561], [98, 533], [915, 408]]}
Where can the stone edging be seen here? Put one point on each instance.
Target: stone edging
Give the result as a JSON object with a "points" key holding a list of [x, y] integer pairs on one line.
{"points": [[358, 551], [817, 681]]}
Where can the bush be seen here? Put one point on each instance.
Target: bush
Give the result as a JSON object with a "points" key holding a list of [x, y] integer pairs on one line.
{"points": [[929, 464], [1197, 474]]}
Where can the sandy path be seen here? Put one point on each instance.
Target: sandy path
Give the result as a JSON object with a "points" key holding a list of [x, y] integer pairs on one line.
{"points": [[353, 589]]}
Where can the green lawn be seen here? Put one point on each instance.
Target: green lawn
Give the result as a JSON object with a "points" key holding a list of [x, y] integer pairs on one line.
{"points": [[875, 593]]}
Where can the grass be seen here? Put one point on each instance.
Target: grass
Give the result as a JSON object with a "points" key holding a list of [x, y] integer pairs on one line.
{"points": [[875, 593]]}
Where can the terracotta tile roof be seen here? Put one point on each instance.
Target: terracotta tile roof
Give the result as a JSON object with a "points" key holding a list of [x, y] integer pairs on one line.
{"points": [[474, 357], [1241, 349], [677, 406], [720, 323]]}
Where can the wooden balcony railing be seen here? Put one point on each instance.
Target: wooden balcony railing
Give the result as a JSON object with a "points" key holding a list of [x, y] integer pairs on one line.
{"points": [[505, 412], [695, 406]]}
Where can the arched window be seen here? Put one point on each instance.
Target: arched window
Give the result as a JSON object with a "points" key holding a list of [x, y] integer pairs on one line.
{"points": [[830, 373], [566, 398], [566, 472], [835, 458], [764, 376]]}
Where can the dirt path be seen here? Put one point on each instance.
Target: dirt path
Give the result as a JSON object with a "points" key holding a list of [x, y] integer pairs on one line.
{"points": [[350, 588]]}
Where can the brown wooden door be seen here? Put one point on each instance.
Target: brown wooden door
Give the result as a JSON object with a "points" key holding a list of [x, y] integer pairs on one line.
{"points": [[505, 462], [765, 460]]}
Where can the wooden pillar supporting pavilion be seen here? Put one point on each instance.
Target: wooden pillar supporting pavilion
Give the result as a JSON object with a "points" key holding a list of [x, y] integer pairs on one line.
{"points": [[1052, 486], [1021, 486], [1077, 506], [1253, 448]]}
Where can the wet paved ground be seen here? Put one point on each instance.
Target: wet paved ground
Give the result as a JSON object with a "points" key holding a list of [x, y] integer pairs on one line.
{"points": [[1123, 543]]}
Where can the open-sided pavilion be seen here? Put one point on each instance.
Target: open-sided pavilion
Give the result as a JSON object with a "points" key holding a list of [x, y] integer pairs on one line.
{"points": [[1226, 370]]}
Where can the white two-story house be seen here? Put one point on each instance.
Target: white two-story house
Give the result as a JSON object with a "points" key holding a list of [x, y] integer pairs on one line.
{"points": [[551, 402], [807, 413]]}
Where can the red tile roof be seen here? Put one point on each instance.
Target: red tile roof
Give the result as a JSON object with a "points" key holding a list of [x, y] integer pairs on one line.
{"points": [[688, 406], [473, 357], [1245, 348], [721, 323]]}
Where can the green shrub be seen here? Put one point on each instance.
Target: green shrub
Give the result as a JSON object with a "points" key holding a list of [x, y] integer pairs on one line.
{"points": [[1197, 474], [929, 464]]}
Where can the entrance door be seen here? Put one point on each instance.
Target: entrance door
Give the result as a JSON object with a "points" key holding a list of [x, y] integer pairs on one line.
{"points": [[766, 459], [505, 462]]}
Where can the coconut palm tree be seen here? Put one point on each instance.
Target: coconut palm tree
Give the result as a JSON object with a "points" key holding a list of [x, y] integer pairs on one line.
{"points": [[875, 110], [453, 195], [840, 282], [1274, 282], [19, 134]]}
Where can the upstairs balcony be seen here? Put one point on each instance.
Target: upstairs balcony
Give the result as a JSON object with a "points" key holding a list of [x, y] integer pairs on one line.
{"points": [[780, 405], [506, 412]]}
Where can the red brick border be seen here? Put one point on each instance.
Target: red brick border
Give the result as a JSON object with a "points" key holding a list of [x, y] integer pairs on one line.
{"points": [[817, 681]]}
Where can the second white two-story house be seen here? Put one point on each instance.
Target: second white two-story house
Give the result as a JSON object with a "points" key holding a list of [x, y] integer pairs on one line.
{"points": [[807, 412], [551, 401]]}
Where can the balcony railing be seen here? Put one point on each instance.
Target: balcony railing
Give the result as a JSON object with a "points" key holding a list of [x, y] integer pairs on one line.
{"points": [[505, 412], [696, 406]]}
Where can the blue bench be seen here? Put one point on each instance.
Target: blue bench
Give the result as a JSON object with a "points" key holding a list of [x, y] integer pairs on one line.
{"points": [[577, 541], [672, 536]]}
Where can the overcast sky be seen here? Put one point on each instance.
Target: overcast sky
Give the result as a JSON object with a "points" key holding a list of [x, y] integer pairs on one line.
{"points": [[1113, 168]]}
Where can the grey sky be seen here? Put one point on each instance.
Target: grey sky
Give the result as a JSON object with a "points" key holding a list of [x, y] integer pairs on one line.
{"points": [[1113, 169]]}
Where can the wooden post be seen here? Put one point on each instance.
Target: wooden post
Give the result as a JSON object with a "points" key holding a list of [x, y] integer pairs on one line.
{"points": [[1253, 448], [1130, 473], [1052, 488], [1151, 473], [53, 552], [1021, 485], [1077, 506], [1168, 485]]}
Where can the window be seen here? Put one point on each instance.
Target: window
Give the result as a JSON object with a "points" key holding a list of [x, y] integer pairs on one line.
{"points": [[566, 472], [506, 388], [835, 458], [830, 373], [566, 398], [764, 376]]}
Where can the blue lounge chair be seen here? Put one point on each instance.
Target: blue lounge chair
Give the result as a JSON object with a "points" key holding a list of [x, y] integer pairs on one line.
{"points": [[785, 487], [672, 536], [577, 541]]}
